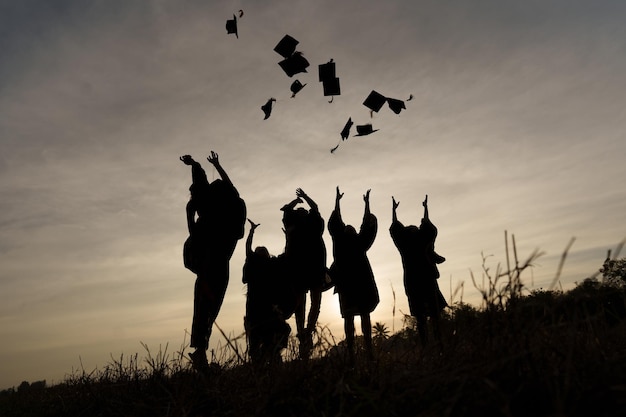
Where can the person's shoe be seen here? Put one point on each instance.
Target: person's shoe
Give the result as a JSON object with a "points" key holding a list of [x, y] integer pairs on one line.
{"points": [[199, 360]]}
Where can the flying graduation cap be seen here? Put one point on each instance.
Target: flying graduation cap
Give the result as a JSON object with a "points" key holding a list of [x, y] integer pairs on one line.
{"points": [[345, 132], [231, 25], [295, 88], [375, 101], [267, 108], [329, 80], [294, 62], [364, 130], [395, 105], [286, 47]]}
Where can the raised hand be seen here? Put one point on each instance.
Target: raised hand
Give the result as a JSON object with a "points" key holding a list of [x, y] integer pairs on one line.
{"points": [[253, 225], [395, 203], [425, 202], [300, 193], [366, 196], [214, 158], [187, 159], [338, 194]]}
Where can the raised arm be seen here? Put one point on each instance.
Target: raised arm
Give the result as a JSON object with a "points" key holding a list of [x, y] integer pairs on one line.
{"points": [[191, 215], [335, 223], [366, 198], [214, 159], [253, 226], [291, 204], [312, 204], [369, 227], [425, 204], [394, 207], [198, 175], [338, 196]]}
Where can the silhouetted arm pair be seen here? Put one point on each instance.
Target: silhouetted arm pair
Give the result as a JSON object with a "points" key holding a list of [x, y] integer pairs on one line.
{"points": [[312, 204]]}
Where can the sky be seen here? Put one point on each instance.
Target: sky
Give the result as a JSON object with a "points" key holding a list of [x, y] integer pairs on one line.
{"points": [[517, 124]]}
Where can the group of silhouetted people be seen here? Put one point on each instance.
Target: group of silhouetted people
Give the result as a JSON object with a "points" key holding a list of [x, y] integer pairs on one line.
{"points": [[277, 286]]}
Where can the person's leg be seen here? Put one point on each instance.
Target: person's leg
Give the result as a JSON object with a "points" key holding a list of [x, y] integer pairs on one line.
{"points": [[422, 329], [348, 325], [303, 346], [435, 320], [299, 312], [217, 286], [200, 314], [199, 329], [209, 294], [366, 328], [314, 311], [252, 334]]}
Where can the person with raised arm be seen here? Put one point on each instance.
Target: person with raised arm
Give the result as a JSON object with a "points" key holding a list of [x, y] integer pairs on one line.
{"points": [[419, 261], [352, 273], [216, 217], [305, 256], [268, 304]]}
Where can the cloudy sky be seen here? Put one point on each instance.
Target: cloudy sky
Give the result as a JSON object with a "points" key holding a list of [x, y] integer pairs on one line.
{"points": [[518, 123]]}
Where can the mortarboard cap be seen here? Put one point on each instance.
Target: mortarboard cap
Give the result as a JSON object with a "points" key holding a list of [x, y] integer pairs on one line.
{"points": [[296, 86], [294, 64], [331, 87], [231, 26], [267, 108], [363, 130], [346, 129], [286, 47], [395, 105], [374, 101], [327, 71]]}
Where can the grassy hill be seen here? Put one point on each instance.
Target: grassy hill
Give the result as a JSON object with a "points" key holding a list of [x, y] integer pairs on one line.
{"points": [[519, 354]]}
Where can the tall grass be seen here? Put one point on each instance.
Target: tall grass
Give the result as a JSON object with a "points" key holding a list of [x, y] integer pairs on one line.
{"points": [[520, 353]]}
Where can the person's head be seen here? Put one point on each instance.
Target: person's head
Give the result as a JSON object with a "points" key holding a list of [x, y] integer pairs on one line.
{"points": [[301, 213], [350, 230], [198, 189], [413, 230], [262, 251], [217, 186]]}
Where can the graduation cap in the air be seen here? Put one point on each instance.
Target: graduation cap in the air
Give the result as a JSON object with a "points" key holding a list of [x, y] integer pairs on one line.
{"points": [[329, 80], [231, 26], [286, 47], [395, 105], [267, 108], [294, 64], [363, 130], [374, 101], [326, 71], [295, 88], [345, 132]]}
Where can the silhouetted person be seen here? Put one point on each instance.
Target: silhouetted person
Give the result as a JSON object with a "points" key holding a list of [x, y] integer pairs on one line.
{"points": [[216, 217], [352, 273], [419, 260], [267, 307], [305, 254]]}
